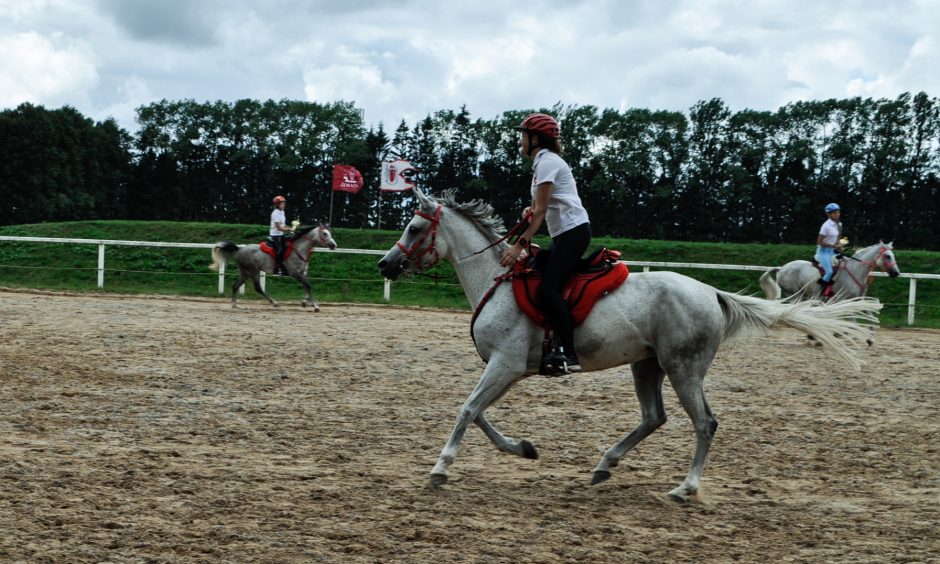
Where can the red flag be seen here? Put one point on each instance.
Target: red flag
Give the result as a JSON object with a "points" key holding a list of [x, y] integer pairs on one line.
{"points": [[346, 179]]}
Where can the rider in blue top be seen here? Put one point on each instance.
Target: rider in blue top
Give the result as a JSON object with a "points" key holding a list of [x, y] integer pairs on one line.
{"points": [[827, 242]]}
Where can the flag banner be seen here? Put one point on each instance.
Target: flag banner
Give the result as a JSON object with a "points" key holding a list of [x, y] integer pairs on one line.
{"points": [[392, 178], [346, 179]]}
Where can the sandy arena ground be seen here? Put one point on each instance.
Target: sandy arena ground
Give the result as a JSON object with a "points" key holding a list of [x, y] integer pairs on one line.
{"points": [[157, 430]]}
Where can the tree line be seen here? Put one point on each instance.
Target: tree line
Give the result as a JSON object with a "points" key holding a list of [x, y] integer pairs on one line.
{"points": [[711, 174]]}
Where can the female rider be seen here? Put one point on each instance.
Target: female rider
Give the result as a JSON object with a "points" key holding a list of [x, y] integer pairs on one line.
{"points": [[278, 229], [827, 243], [555, 201]]}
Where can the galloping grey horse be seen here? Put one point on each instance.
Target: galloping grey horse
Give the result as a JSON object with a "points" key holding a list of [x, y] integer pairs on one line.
{"points": [[799, 277], [252, 260], [661, 323]]}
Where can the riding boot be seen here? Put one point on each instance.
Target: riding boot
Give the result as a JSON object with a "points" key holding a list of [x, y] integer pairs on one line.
{"points": [[558, 363]]}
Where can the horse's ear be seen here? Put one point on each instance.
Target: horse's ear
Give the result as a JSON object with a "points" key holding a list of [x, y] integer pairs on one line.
{"points": [[423, 199]]}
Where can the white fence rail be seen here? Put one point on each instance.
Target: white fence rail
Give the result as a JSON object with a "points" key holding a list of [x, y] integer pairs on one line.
{"points": [[911, 302]]}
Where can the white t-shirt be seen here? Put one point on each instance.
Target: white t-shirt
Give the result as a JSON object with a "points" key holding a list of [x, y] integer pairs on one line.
{"points": [[277, 216], [830, 231], [564, 207]]}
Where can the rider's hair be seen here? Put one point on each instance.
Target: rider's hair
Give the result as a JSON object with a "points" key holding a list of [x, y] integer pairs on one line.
{"points": [[553, 145]]}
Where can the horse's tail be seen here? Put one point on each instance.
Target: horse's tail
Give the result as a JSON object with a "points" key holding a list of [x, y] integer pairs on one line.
{"points": [[769, 285], [844, 326], [222, 251]]}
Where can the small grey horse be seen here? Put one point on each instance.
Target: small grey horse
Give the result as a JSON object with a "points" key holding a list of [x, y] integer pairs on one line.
{"points": [[662, 324], [252, 261]]}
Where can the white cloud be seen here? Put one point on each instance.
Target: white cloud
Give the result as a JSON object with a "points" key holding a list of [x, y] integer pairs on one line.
{"points": [[413, 58], [33, 68]]}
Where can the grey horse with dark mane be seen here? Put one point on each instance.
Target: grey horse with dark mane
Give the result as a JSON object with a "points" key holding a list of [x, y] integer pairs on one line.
{"points": [[252, 261]]}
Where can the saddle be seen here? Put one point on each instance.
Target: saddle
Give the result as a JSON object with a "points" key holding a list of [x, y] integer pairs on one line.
{"points": [[596, 276], [835, 268], [268, 247]]}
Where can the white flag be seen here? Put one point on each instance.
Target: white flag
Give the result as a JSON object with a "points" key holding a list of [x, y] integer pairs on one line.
{"points": [[392, 178]]}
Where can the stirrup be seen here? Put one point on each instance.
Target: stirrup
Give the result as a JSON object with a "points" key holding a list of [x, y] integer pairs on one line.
{"points": [[558, 364]]}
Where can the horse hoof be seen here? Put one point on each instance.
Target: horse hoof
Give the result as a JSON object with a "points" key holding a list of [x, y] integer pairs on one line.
{"points": [[600, 476], [528, 450], [870, 342], [438, 480], [679, 495], [303, 304], [316, 309]]}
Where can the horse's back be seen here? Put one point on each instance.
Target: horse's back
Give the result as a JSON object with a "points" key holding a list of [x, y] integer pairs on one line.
{"points": [[795, 275]]}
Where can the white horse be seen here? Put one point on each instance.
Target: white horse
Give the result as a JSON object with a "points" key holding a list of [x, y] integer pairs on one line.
{"points": [[661, 323], [252, 261], [799, 277]]}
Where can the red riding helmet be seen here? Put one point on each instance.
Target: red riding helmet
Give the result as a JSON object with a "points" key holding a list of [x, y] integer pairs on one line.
{"points": [[540, 123], [278, 199]]}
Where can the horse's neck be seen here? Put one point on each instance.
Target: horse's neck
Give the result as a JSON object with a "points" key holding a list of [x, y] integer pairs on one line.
{"points": [[303, 243], [476, 272], [862, 266]]}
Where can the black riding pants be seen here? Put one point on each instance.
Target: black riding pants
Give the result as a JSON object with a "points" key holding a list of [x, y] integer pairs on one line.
{"points": [[566, 252], [279, 246]]}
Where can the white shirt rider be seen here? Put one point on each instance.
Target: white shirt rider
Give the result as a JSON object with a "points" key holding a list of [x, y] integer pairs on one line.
{"points": [[829, 231], [565, 210], [278, 221]]}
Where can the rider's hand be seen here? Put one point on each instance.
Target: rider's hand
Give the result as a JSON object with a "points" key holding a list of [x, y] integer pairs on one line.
{"points": [[527, 212], [510, 255]]}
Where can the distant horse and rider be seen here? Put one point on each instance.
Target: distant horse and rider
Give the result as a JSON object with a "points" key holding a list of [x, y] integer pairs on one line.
{"points": [[851, 276], [254, 259], [662, 324]]}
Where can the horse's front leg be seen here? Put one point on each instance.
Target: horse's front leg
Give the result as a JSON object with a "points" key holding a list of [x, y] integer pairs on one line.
{"points": [[256, 280], [497, 376], [308, 290], [522, 447]]}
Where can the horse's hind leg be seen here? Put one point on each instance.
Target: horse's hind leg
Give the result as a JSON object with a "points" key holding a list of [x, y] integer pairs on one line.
{"points": [[689, 386], [648, 382], [238, 284]]}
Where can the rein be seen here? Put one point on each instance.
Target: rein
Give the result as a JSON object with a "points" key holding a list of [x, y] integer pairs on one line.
{"points": [[519, 228]]}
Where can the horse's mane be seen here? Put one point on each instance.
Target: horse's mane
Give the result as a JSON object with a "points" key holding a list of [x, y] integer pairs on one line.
{"points": [[301, 231], [478, 212]]}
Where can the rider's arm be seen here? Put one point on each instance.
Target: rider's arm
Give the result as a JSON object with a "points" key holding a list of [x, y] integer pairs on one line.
{"points": [[281, 227], [539, 207]]}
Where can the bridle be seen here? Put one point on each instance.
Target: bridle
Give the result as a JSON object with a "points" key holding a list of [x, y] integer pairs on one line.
{"points": [[309, 236], [885, 265], [415, 253]]}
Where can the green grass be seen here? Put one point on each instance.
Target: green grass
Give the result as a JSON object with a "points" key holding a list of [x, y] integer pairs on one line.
{"points": [[354, 278]]}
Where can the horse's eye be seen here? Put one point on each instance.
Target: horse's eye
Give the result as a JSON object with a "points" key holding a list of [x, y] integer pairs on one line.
{"points": [[414, 229]]}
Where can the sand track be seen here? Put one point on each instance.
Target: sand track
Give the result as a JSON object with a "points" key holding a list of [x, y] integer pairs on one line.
{"points": [[137, 429]]}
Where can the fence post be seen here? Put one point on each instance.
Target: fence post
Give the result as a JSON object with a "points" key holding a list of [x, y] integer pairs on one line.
{"points": [[101, 265], [387, 291], [222, 277], [912, 293]]}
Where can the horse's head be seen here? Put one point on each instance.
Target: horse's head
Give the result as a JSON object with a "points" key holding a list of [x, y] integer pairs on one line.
{"points": [[323, 237], [419, 247], [886, 260]]}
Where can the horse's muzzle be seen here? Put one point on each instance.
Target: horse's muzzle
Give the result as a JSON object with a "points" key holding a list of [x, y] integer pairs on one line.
{"points": [[893, 273], [391, 268]]}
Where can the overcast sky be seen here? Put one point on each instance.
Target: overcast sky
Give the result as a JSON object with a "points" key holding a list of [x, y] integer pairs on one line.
{"points": [[406, 59]]}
